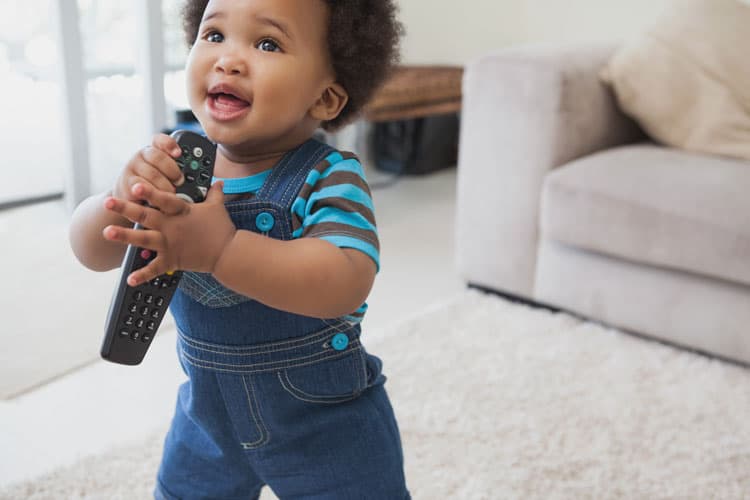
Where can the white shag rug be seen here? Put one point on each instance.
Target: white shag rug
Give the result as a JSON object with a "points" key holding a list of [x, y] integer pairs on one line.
{"points": [[497, 400]]}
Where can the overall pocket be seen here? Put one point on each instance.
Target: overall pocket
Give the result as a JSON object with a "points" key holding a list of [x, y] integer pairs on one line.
{"points": [[330, 381]]}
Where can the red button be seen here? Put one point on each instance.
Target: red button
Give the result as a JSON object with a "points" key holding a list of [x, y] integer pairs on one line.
{"points": [[146, 254]]}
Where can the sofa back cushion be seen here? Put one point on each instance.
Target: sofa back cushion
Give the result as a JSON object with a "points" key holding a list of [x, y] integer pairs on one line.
{"points": [[686, 80]]}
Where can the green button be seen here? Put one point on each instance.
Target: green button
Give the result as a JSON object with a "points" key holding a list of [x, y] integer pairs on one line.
{"points": [[195, 165]]}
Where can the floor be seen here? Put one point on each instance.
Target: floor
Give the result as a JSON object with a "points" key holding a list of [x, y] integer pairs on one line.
{"points": [[101, 405]]}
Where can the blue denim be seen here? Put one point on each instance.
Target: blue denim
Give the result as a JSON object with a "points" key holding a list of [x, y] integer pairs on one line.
{"points": [[299, 416], [274, 398]]}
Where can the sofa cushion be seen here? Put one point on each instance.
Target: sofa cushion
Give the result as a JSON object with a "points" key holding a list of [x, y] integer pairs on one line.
{"points": [[654, 205], [686, 80]]}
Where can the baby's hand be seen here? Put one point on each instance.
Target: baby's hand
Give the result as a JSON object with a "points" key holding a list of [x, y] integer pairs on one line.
{"points": [[154, 166], [192, 237]]}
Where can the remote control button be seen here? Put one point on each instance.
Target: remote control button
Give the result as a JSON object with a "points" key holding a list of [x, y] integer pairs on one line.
{"points": [[149, 299], [144, 311], [138, 295], [132, 308], [140, 322], [185, 197], [197, 152], [124, 333], [135, 335], [185, 151], [165, 284], [156, 314], [129, 321], [159, 301], [194, 165], [146, 254], [190, 178], [146, 338], [205, 178], [151, 325], [156, 282], [207, 161]]}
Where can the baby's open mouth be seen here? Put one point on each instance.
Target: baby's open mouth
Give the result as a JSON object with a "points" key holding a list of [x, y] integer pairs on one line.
{"points": [[227, 102]]}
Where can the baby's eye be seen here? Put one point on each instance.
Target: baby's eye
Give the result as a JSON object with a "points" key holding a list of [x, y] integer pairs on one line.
{"points": [[268, 45], [214, 37]]}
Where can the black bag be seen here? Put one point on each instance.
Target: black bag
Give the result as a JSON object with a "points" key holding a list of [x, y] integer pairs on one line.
{"points": [[416, 146]]}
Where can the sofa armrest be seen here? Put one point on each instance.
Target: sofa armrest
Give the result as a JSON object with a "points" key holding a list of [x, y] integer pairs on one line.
{"points": [[525, 111]]}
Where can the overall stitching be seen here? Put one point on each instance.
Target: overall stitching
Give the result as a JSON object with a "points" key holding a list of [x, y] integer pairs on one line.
{"points": [[270, 347], [302, 396], [252, 401], [298, 393], [248, 369]]}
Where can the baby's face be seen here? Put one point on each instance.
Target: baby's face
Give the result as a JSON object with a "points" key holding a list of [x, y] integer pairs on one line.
{"points": [[256, 69]]}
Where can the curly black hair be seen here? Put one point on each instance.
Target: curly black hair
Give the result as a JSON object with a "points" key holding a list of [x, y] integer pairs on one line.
{"points": [[363, 42]]}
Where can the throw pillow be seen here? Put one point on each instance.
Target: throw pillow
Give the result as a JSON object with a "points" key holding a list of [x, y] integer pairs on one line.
{"points": [[686, 80]]}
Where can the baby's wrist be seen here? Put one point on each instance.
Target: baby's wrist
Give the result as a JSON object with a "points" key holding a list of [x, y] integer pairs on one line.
{"points": [[224, 253]]}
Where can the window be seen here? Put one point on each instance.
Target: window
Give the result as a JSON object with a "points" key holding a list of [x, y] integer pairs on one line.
{"points": [[114, 93], [31, 104]]}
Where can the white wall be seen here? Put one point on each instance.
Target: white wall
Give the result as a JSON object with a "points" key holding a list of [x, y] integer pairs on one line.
{"points": [[450, 31], [454, 32]]}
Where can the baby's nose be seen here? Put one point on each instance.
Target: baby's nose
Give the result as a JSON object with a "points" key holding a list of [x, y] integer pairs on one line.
{"points": [[232, 64]]}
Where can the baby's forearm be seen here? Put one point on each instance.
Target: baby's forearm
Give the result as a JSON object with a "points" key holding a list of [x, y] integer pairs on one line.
{"points": [[306, 276], [86, 226]]}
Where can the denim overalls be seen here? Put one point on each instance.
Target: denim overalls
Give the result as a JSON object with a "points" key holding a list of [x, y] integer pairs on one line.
{"points": [[275, 398]]}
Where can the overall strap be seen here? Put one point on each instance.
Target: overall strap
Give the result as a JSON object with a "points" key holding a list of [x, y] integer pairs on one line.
{"points": [[287, 177]]}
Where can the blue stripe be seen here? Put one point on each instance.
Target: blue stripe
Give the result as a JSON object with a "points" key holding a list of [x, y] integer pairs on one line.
{"points": [[336, 165], [298, 207], [351, 165], [334, 157], [357, 244], [346, 191], [335, 214]]}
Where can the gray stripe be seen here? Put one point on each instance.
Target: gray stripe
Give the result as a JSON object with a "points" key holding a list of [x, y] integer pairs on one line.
{"points": [[337, 178], [345, 205], [337, 229]]}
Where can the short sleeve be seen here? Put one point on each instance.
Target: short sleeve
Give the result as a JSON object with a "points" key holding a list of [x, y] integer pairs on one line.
{"points": [[335, 204]]}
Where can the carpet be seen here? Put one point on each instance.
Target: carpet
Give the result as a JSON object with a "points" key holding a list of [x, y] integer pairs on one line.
{"points": [[499, 400]]}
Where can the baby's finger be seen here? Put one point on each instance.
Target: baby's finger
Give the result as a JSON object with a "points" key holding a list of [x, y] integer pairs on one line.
{"points": [[152, 270], [165, 166], [168, 144], [135, 212], [166, 203], [142, 238], [143, 170]]}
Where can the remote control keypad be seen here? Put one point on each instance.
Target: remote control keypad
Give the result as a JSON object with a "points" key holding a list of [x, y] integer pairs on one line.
{"points": [[144, 308]]}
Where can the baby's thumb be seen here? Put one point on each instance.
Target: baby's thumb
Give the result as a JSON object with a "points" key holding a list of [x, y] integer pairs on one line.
{"points": [[216, 193]]}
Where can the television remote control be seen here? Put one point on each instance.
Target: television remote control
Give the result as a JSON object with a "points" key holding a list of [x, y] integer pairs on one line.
{"points": [[136, 312]]}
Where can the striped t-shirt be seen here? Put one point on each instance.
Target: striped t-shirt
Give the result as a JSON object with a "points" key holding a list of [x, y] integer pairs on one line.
{"points": [[335, 205]]}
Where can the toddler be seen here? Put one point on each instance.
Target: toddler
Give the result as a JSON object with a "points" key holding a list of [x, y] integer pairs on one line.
{"points": [[278, 260]]}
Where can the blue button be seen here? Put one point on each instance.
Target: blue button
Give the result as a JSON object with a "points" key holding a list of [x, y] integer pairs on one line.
{"points": [[264, 222], [340, 341]]}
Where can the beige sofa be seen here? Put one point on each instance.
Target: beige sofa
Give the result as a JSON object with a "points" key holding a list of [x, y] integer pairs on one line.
{"points": [[563, 200]]}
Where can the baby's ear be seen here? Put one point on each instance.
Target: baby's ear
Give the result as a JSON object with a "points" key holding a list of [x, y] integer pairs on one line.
{"points": [[330, 103]]}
